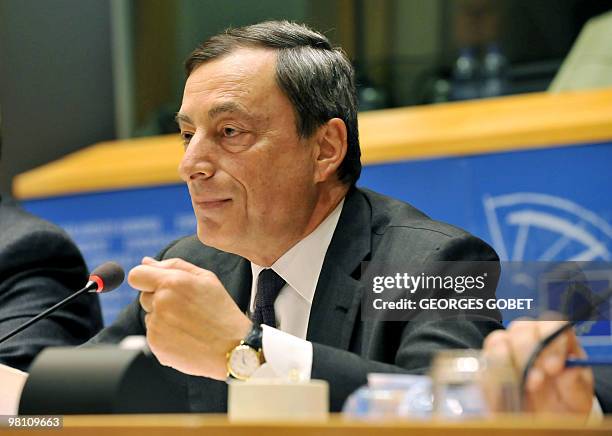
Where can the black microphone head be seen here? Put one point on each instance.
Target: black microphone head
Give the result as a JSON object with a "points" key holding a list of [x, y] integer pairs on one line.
{"points": [[107, 276]]}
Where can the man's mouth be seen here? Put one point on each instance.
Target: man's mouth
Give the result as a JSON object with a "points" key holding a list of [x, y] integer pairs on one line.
{"points": [[211, 203]]}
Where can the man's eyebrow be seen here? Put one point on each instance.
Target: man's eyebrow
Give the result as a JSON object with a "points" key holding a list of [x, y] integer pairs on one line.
{"points": [[228, 106], [179, 117]]}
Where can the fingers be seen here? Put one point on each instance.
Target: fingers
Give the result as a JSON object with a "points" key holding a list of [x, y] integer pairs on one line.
{"points": [[147, 278], [578, 384], [175, 275], [552, 358], [174, 263], [550, 386], [524, 336], [146, 301], [515, 345], [152, 273], [152, 301], [148, 260], [497, 346]]}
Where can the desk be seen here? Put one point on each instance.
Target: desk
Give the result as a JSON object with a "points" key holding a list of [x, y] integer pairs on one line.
{"points": [[209, 425]]}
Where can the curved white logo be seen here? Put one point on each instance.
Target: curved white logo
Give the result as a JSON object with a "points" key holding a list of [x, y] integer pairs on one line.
{"points": [[534, 226], [541, 227]]}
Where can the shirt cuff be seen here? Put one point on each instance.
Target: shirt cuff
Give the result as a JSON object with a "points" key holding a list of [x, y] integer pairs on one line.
{"points": [[596, 414], [287, 356]]}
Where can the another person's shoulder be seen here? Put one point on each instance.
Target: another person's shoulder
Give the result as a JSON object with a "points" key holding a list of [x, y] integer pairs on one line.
{"points": [[30, 245], [20, 227], [397, 224], [15, 219]]}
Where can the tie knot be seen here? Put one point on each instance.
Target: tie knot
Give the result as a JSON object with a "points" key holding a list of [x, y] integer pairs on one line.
{"points": [[269, 285]]}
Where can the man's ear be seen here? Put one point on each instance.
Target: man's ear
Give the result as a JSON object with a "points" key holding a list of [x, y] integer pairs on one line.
{"points": [[331, 149]]}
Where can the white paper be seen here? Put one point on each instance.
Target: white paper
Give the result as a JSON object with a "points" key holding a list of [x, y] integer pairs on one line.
{"points": [[11, 385]]}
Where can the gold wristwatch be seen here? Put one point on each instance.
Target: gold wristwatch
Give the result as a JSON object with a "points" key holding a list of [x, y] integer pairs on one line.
{"points": [[244, 359]]}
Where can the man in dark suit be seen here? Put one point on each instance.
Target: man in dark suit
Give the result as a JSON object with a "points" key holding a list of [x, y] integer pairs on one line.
{"points": [[269, 121], [39, 266]]}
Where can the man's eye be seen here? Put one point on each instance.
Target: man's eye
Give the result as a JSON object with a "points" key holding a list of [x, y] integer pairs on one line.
{"points": [[186, 137], [229, 132]]}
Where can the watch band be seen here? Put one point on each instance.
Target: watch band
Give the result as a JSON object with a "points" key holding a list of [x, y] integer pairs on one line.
{"points": [[254, 338]]}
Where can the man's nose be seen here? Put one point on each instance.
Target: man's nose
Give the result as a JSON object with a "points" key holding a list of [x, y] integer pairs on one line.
{"points": [[197, 162]]}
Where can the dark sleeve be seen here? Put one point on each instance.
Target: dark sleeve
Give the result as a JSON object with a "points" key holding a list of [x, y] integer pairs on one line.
{"points": [[603, 387], [37, 270], [419, 340], [128, 323]]}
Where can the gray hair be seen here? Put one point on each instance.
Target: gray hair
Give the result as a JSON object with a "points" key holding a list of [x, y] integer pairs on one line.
{"points": [[317, 78]]}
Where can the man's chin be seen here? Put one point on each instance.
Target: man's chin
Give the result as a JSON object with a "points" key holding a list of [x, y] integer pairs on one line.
{"points": [[211, 237]]}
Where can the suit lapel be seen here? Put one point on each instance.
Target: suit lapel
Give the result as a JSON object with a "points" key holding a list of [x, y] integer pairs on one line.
{"points": [[338, 295], [235, 274], [232, 270]]}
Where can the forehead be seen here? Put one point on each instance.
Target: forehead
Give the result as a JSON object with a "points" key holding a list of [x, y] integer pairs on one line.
{"points": [[247, 75]]}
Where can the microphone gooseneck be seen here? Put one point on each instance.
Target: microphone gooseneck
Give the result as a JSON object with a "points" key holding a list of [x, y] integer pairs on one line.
{"points": [[104, 278]]}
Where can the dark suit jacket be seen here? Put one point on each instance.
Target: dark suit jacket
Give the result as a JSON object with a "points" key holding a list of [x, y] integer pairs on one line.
{"points": [[39, 266], [345, 347], [603, 387]]}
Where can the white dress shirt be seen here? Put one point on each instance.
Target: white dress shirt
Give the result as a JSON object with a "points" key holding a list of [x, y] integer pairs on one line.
{"points": [[287, 353]]}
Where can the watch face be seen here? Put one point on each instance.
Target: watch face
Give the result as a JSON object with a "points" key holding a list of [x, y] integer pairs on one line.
{"points": [[243, 362]]}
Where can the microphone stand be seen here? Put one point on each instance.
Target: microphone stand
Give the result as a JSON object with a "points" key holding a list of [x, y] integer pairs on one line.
{"points": [[90, 286]]}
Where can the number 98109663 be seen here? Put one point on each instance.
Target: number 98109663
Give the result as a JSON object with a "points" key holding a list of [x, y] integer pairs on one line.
{"points": [[32, 421]]}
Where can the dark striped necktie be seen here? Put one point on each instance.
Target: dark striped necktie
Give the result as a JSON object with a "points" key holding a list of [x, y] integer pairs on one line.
{"points": [[269, 285]]}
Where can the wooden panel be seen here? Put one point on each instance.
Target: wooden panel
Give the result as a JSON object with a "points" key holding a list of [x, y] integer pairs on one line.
{"points": [[177, 425], [454, 129], [502, 124]]}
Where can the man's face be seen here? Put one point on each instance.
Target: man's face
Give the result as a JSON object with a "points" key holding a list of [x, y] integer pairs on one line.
{"points": [[250, 176]]}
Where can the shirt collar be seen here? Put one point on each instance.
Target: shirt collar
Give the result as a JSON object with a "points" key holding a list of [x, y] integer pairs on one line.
{"points": [[301, 265]]}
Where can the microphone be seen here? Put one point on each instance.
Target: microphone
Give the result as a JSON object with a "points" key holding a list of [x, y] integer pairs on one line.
{"points": [[105, 278]]}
